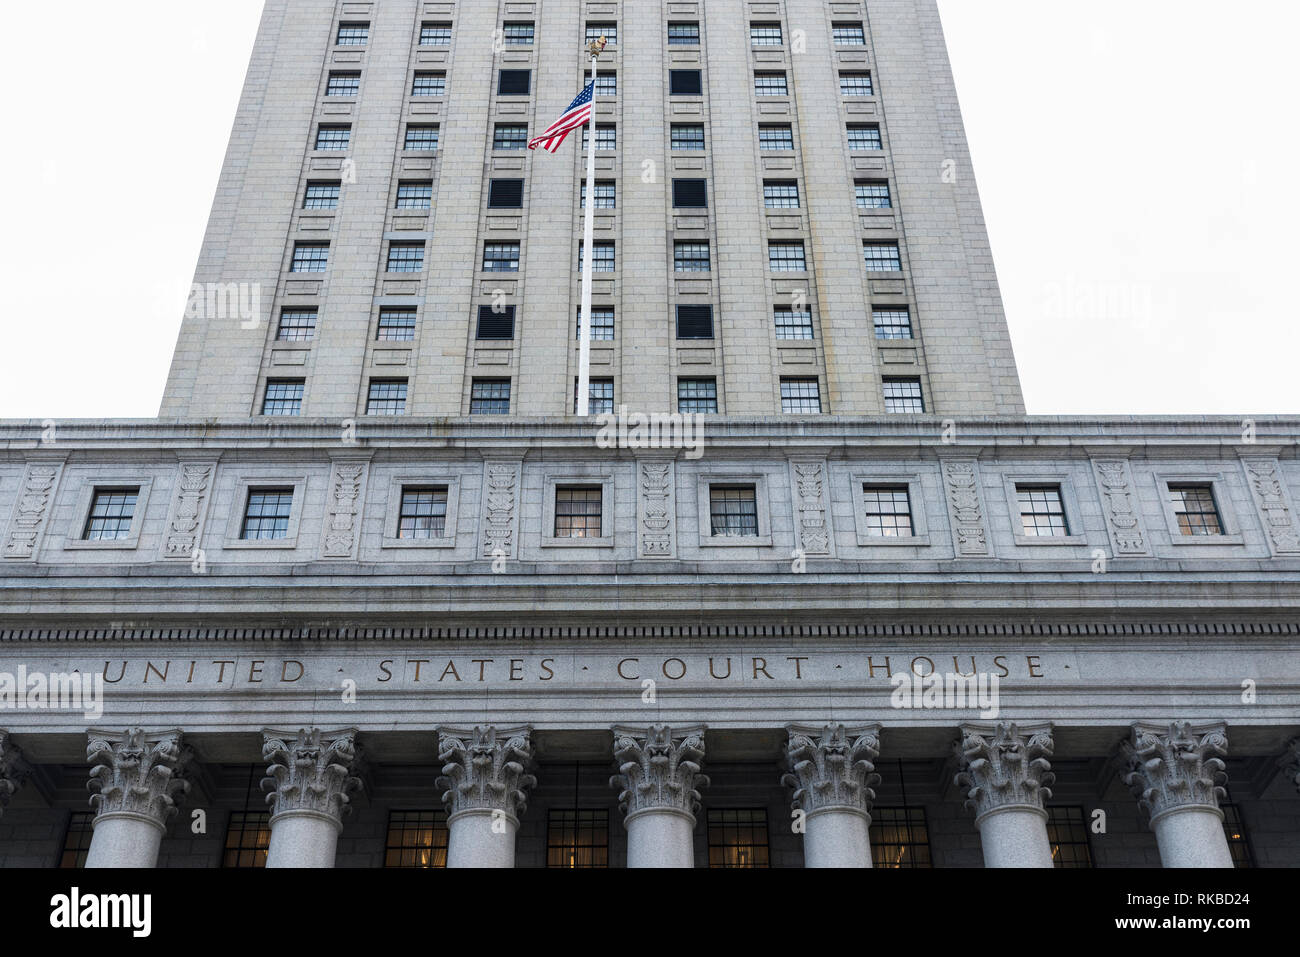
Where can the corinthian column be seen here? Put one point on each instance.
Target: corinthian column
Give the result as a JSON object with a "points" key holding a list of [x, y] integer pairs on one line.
{"points": [[1176, 773], [658, 780], [1007, 775], [13, 770], [309, 779], [485, 773], [1291, 762], [137, 778], [832, 777]]}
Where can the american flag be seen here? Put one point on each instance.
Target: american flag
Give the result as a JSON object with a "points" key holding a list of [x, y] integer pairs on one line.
{"points": [[576, 116]]}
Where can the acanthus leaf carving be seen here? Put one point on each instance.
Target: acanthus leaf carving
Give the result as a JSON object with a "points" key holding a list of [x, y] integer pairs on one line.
{"points": [[311, 770], [961, 482], [1120, 501], [135, 772], [1176, 765], [341, 524], [1274, 505], [501, 503], [1005, 765], [659, 768], [192, 490], [656, 510], [29, 513], [832, 767], [486, 769], [812, 525]]}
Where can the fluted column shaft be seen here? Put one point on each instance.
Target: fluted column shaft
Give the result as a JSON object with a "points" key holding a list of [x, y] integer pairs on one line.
{"points": [[138, 780], [832, 772], [310, 781], [1006, 772], [486, 776], [659, 774]]}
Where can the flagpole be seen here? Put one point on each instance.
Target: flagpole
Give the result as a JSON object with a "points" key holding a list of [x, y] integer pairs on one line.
{"points": [[588, 256]]}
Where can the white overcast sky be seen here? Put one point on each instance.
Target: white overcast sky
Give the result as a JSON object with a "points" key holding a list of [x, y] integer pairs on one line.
{"points": [[1137, 160]]}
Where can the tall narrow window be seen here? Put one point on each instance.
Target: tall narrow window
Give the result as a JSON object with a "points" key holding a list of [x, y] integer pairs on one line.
{"points": [[416, 839], [1067, 833], [423, 513], [738, 837], [577, 838], [112, 511], [248, 839], [386, 397], [1042, 513], [577, 511], [76, 839], [267, 513], [283, 397], [1234, 829]]}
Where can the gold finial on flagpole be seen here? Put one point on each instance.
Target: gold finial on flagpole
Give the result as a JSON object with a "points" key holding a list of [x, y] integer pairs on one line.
{"points": [[597, 47]]}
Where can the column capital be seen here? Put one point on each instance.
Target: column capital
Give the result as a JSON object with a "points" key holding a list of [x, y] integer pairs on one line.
{"points": [[1005, 766], [1176, 766], [1290, 762], [310, 772], [136, 773], [13, 770], [832, 766], [659, 769], [485, 769]]}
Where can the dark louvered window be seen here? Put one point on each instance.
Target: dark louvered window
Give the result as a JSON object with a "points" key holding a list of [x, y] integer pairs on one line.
{"points": [[514, 82], [694, 322], [506, 194], [690, 192], [685, 83], [496, 322]]}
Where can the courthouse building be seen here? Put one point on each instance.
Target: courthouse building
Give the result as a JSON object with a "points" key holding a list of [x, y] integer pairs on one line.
{"points": [[368, 593]]}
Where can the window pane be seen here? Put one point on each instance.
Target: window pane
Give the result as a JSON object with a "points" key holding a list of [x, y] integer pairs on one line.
{"points": [[406, 257], [848, 34], [283, 397], [856, 84], [783, 194], [416, 839], [321, 196], [865, 138], [1067, 832], [267, 514], [770, 84], [600, 396], [111, 513], [892, 322], [903, 395], [683, 34], [801, 396], [685, 83], [738, 838], [605, 195], [76, 839], [733, 510], [687, 136], [888, 511], [1195, 509], [333, 137], [881, 257], [691, 257], [786, 257], [577, 839], [501, 257], [697, 395], [429, 84], [496, 322], [1041, 512], [421, 138], [386, 397], [435, 35], [694, 322], [765, 34], [775, 138], [602, 257], [396, 324], [310, 257], [792, 324], [353, 34], [248, 838], [423, 513], [514, 82], [490, 397], [602, 322], [415, 195], [518, 34], [899, 837], [873, 195], [296, 325], [343, 84], [577, 512], [510, 136]]}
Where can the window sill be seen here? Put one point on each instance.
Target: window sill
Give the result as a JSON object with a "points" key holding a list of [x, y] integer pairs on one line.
{"points": [[112, 545], [605, 542], [1032, 541], [262, 543], [444, 541], [735, 541], [1177, 539], [893, 541]]}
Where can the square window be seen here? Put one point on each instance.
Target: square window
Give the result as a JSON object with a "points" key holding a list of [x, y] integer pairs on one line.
{"points": [[577, 838], [881, 257], [1042, 513], [501, 257], [334, 137], [792, 323], [396, 324], [738, 838], [606, 83], [687, 136], [429, 84], [489, 397], [775, 137], [248, 839], [267, 513], [903, 395], [765, 35], [353, 34], [872, 194], [694, 322], [406, 257], [386, 397], [602, 323], [892, 322], [518, 34], [900, 837], [417, 839], [685, 83], [786, 256], [343, 84], [321, 196], [691, 257], [1195, 509], [597, 30], [506, 194], [283, 397], [733, 510], [602, 257], [112, 510], [310, 257], [887, 510], [415, 195], [606, 137], [781, 194], [690, 193], [421, 137], [864, 136], [600, 396], [510, 136], [801, 397], [856, 84], [496, 323], [697, 396], [514, 82], [296, 325], [435, 35], [423, 513], [577, 511], [606, 195], [848, 34], [683, 34], [770, 84]]}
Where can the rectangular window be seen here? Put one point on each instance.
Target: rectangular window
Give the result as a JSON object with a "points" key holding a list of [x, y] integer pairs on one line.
{"points": [[321, 196], [1234, 829], [888, 511], [333, 137], [872, 194], [1042, 513], [733, 510], [606, 195], [248, 838], [792, 323], [602, 257], [892, 322], [423, 512], [421, 137], [518, 34], [687, 136], [514, 82], [864, 136], [881, 257], [694, 322], [396, 324], [415, 195], [786, 256], [602, 323], [600, 396], [435, 35], [506, 194], [899, 837], [606, 83], [738, 837], [283, 397], [296, 325], [774, 137], [496, 322], [683, 34], [489, 397], [310, 257], [848, 34], [691, 257], [266, 516], [1067, 833], [416, 839], [903, 395], [386, 397], [697, 396], [353, 34], [406, 257], [577, 511], [781, 194], [76, 839], [429, 84], [690, 193], [856, 84], [606, 137], [1195, 509], [801, 397], [597, 30], [510, 136], [111, 512], [501, 257], [343, 84], [770, 84], [577, 839], [685, 83], [765, 34]]}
